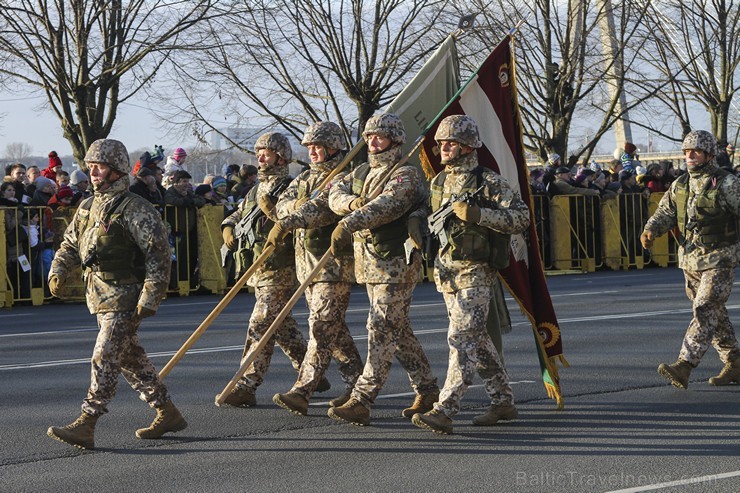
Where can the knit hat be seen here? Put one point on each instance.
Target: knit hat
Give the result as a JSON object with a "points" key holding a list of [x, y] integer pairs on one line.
{"points": [[77, 176], [65, 192], [41, 182], [54, 160], [553, 158], [202, 189], [630, 148], [179, 154], [640, 170], [218, 181]]}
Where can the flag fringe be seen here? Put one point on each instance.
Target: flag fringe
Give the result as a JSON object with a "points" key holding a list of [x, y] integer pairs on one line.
{"points": [[426, 165]]}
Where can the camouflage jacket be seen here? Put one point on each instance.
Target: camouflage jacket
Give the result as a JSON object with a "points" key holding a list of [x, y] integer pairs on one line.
{"points": [[404, 190], [507, 214], [143, 223], [692, 256], [263, 276], [313, 214]]}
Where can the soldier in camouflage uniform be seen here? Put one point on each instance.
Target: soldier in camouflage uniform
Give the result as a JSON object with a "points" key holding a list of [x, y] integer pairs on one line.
{"points": [[466, 270], [121, 243], [705, 206], [327, 296], [380, 227], [275, 280]]}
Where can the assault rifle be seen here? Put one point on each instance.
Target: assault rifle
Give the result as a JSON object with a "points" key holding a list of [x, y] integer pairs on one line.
{"points": [[438, 219], [244, 231]]}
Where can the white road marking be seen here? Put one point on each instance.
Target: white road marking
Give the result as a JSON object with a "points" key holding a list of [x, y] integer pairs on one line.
{"points": [[682, 482]]}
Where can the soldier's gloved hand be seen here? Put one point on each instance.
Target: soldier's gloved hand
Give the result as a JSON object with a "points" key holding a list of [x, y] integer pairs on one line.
{"points": [[144, 312], [340, 238], [276, 235], [54, 285], [647, 239], [265, 204], [414, 227], [229, 240], [299, 202], [356, 203], [469, 213]]}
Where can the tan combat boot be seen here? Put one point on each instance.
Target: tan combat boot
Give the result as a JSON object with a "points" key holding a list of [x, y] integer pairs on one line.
{"points": [[435, 421], [423, 403], [168, 420], [342, 399], [352, 412], [80, 433], [293, 402], [729, 374], [495, 414], [678, 373], [241, 397]]}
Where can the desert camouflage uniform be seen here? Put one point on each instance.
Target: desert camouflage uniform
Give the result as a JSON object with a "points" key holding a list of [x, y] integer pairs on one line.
{"points": [[389, 281], [709, 271], [117, 349], [327, 296], [273, 289], [467, 287]]}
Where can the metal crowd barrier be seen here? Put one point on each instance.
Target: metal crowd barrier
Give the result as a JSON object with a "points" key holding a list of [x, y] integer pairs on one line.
{"points": [[575, 232]]}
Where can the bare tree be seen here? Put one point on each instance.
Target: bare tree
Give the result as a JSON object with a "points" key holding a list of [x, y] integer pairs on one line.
{"points": [[292, 62], [565, 79], [88, 57], [694, 45], [17, 151]]}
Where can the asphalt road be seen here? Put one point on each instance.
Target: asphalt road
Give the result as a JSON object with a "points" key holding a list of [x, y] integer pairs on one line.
{"points": [[623, 428]]}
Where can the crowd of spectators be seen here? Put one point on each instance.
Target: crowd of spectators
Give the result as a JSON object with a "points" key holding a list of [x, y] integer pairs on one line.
{"points": [[30, 197]]}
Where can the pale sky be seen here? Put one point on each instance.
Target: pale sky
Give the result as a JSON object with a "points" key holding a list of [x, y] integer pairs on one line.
{"points": [[41, 130]]}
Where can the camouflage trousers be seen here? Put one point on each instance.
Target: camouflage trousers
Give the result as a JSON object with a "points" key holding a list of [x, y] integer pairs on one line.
{"points": [[708, 291], [117, 350], [471, 350], [269, 301], [390, 334], [329, 337]]}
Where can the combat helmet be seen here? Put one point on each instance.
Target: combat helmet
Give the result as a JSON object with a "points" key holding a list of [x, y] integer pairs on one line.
{"points": [[460, 128], [702, 140], [110, 152], [388, 125], [324, 133], [276, 142]]}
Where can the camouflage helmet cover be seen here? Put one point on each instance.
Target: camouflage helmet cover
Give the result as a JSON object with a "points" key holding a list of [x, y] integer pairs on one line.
{"points": [[388, 125], [325, 133], [276, 142], [460, 128], [110, 152], [702, 140]]}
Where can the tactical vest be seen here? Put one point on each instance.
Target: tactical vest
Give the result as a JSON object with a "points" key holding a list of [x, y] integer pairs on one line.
{"points": [[317, 241], [116, 258], [284, 254], [387, 239], [711, 224], [470, 241]]}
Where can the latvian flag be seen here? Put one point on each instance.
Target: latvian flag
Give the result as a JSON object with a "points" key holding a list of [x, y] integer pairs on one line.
{"points": [[490, 98]]}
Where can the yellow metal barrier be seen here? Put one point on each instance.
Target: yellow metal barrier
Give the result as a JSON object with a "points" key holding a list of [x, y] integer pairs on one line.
{"points": [[210, 272], [575, 232]]}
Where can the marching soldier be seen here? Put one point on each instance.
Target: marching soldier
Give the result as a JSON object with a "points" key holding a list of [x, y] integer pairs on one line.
{"points": [[705, 206], [380, 228], [275, 280], [465, 271], [328, 294], [120, 240]]}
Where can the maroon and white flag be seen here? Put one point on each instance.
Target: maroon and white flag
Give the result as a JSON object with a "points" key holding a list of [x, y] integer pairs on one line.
{"points": [[490, 98]]}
